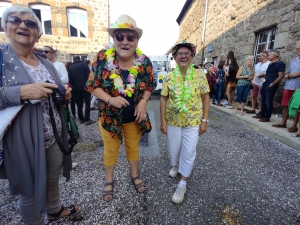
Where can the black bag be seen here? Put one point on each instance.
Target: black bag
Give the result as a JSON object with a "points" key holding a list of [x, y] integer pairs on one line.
{"points": [[251, 86]]}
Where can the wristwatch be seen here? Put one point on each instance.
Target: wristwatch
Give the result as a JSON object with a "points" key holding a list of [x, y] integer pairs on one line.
{"points": [[205, 121]]}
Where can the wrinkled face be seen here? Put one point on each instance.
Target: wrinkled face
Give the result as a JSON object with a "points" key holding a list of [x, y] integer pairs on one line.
{"points": [[297, 50], [48, 52], [211, 69], [262, 57], [271, 56], [249, 61], [125, 42], [19, 33], [183, 57]]}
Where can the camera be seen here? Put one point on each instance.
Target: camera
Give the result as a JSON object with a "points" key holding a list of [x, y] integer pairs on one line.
{"points": [[58, 95]]}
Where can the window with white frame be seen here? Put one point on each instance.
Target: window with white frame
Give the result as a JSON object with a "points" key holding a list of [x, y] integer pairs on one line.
{"points": [[77, 23], [3, 6], [43, 12], [82, 57], [264, 41]]}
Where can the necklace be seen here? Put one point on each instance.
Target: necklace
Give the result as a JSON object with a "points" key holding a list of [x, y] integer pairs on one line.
{"points": [[183, 89], [113, 66]]}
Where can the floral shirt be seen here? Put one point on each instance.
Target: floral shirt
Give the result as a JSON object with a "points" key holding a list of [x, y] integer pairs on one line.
{"points": [[193, 116], [245, 72], [110, 116]]}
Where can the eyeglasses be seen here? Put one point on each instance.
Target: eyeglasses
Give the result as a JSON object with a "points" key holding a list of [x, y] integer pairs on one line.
{"points": [[46, 51], [181, 54], [17, 21], [129, 37]]}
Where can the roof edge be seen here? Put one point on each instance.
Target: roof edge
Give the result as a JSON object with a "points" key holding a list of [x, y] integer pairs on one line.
{"points": [[184, 9]]}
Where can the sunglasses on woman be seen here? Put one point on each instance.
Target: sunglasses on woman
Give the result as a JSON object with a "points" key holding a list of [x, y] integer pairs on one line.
{"points": [[17, 21], [129, 37]]}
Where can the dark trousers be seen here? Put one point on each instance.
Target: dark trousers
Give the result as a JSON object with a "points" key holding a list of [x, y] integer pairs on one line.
{"points": [[218, 91], [78, 97], [267, 96]]}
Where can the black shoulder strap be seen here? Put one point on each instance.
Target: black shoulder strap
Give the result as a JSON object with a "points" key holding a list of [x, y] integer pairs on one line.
{"points": [[1, 62]]}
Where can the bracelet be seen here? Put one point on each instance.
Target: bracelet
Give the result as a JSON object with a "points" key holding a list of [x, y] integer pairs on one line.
{"points": [[145, 99], [108, 101]]}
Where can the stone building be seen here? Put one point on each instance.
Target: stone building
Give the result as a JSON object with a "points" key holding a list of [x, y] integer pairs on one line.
{"points": [[245, 27], [72, 27]]}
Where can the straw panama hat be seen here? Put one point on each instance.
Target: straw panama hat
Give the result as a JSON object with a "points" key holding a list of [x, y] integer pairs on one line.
{"points": [[125, 22]]}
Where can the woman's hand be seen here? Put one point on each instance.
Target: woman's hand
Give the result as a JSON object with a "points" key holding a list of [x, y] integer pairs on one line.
{"points": [[202, 128], [163, 127], [36, 91], [68, 92], [140, 111], [118, 102]]}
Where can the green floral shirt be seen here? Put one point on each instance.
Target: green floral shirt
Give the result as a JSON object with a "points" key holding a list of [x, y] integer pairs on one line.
{"points": [[193, 116], [110, 116]]}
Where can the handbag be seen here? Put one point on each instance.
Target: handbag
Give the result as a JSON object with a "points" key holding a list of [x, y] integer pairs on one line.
{"points": [[251, 86], [146, 125]]}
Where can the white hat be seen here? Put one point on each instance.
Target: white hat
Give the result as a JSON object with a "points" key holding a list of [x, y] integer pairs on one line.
{"points": [[124, 22]]}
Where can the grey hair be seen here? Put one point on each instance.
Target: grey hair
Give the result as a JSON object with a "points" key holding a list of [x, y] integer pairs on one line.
{"points": [[249, 57], [20, 10], [265, 53], [274, 52]]}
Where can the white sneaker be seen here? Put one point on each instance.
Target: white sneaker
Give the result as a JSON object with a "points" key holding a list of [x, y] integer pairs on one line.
{"points": [[75, 164], [174, 171], [229, 106], [178, 196]]}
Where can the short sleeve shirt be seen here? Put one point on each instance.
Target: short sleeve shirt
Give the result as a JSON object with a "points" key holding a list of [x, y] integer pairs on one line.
{"points": [[294, 83], [260, 68], [245, 72], [272, 72], [193, 116]]}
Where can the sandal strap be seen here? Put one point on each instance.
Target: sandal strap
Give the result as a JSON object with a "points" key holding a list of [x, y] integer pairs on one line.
{"points": [[56, 215], [135, 178], [109, 183]]}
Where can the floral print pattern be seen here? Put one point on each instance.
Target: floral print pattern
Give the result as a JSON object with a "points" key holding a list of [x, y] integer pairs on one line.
{"points": [[110, 116], [41, 74], [193, 116]]}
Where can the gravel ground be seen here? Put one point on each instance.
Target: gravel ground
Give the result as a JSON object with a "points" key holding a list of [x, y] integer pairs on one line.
{"points": [[240, 177]]}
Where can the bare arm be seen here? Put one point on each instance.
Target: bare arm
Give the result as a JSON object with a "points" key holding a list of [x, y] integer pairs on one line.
{"points": [[206, 109], [238, 74], [163, 124], [117, 102]]}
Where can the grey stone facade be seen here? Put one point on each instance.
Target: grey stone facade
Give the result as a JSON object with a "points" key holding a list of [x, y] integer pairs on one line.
{"points": [[235, 24]]}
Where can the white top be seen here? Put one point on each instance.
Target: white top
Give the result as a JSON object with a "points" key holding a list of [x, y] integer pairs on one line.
{"points": [[62, 72], [260, 68]]}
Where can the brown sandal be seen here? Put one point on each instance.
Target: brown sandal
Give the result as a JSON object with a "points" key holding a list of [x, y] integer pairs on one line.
{"points": [[108, 192], [139, 185]]}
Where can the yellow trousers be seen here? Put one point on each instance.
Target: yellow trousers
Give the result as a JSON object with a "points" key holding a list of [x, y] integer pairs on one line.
{"points": [[132, 135]]}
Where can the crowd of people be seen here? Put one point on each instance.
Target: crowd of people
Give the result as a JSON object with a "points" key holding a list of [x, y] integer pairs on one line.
{"points": [[262, 80], [121, 78]]}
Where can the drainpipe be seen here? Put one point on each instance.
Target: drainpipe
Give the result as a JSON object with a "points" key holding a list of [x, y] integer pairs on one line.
{"points": [[204, 28]]}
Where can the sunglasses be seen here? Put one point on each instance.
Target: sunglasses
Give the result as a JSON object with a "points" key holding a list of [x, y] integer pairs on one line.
{"points": [[17, 21], [181, 54], [129, 37], [46, 51]]}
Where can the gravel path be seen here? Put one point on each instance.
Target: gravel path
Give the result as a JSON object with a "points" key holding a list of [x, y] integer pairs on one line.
{"points": [[240, 177]]}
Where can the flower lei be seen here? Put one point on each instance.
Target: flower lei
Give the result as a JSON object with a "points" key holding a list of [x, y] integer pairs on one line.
{"points": [[113, 65], [183, 89]]}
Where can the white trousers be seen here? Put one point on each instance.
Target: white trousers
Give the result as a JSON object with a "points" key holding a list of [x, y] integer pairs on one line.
{"points": [[182, 143]]}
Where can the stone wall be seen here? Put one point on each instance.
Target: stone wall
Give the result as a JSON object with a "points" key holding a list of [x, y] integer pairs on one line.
{"points": [[233, 24], [98, 21]]}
